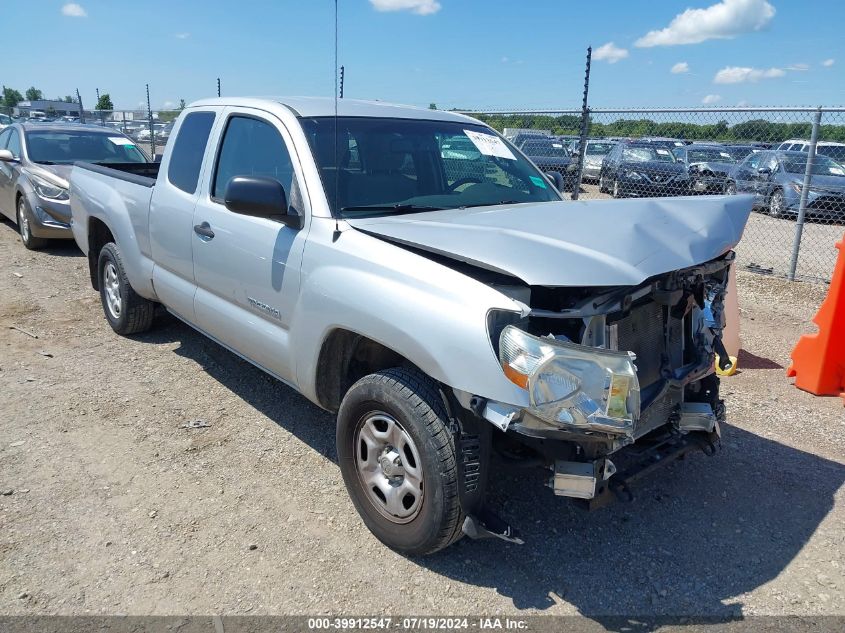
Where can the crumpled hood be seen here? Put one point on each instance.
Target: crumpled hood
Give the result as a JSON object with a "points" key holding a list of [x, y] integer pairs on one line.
{"points": [[722, 168], [576, 243]]}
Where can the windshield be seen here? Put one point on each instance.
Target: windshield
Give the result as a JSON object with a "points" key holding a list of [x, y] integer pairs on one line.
{"points": [[822, 165], [390, 166], [709, 154], [739, 153], [544, 148], [643, 154], [66, 147], [599, 149]]}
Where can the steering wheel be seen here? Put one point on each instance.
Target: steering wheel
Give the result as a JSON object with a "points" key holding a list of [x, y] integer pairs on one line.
{"points": [[464, 181]]}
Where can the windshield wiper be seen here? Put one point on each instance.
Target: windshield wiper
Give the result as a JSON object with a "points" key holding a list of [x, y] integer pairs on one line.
{"points": [[489, 204], [44, 162], [399, 208]]}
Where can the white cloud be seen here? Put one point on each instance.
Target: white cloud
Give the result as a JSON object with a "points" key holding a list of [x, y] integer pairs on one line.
{"points": [[680, 68], [741, 103], [723, 20], [182, 36], [73, 10], [828, 62], [610, 53], [711, 99], [800, 67], [168, 105], [744, 74], [420, 7]]}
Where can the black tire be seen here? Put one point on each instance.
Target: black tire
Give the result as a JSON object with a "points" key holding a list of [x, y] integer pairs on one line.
{"points": [[730, 188], [135, 313], [602, 184], [617, 191], [776, 204], [24, 218], [412, 400]]}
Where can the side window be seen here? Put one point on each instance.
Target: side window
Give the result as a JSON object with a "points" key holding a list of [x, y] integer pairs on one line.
{"points": [[187, 153], [754, 161], [251, 147], [4, 137], [14, 144], [771, 163]]}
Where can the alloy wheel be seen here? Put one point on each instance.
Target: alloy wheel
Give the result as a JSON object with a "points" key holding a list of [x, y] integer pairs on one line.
{"points": [[111, 283]]}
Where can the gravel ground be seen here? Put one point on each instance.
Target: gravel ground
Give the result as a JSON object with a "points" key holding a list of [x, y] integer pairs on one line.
{"points": [[109, 506]]}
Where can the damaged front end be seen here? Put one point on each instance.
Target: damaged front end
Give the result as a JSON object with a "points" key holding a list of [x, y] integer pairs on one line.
{"points": [[605, 367]]}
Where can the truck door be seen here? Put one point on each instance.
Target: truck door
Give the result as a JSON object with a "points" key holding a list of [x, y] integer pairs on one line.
{"points": [[247, 268], [172, 213]]}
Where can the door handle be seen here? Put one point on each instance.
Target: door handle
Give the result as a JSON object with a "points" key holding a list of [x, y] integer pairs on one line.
{"points": [[204, 230]]}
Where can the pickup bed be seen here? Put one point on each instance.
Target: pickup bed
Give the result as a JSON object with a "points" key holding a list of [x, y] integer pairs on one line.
{"points": [[445, 304]]}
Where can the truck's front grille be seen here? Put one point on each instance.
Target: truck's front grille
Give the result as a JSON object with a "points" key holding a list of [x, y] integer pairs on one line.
{"points": [[641, 332]]}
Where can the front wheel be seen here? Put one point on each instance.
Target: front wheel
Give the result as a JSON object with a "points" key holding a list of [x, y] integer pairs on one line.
{"points": [[25, 227], [398, 461], [777, 205], [617, 192], [126, 311], [730, 189]]}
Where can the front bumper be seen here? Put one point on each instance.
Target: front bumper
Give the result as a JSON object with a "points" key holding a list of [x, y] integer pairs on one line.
{"points": [[647, 189], [50, 219], [707, 185]]}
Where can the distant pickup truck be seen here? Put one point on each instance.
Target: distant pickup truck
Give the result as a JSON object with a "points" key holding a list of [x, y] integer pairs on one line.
{"points": [[443, 303]]}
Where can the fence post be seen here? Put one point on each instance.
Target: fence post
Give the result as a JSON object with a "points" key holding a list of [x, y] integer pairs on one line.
{"points": [[585, 120], [152, 129], [805, 190]]}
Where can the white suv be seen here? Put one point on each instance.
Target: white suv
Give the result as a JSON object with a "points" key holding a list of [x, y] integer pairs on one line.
{"points": [[831, 149]]}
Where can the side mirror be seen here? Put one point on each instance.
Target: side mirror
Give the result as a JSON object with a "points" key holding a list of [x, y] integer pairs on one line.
{"points": [[6, 156], [679, 160], [260, 197], [556, 178]]}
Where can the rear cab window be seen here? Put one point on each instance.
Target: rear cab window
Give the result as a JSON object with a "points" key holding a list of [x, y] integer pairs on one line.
{"points": [[186, 158]]}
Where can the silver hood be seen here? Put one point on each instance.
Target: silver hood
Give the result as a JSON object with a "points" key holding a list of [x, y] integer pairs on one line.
{"points": [[583, 243]]}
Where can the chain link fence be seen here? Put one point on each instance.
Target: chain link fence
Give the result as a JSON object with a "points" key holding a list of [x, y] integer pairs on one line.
{"points": [[790, 159]]}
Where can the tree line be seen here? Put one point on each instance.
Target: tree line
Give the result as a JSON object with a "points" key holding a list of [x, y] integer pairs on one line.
{"points": [[11, 97], [752, 130]]}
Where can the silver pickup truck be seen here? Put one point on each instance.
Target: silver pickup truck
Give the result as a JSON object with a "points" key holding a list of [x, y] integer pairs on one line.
{"points": [[415, 273]]}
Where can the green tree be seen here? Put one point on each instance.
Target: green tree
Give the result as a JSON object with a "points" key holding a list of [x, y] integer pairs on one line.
{"points": [[104, 102], [181, 104], [11, 97], [68, 99], [432, 106], [33, 94]]}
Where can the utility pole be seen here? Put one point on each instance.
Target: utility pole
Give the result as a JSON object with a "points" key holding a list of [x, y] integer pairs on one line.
{"points": [[218, 86], [98, 94], [341, 81], [585, 120]]}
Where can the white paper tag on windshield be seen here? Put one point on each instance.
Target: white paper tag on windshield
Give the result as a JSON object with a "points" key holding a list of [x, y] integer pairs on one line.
{"points": [[119, 140], [490, 145]]}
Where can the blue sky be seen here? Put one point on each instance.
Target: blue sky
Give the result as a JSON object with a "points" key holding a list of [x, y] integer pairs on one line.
{"points": [[456, 53]]}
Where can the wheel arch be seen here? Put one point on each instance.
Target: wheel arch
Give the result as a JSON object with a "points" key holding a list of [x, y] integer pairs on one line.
{"points": [[347, 356], [99, 234]]}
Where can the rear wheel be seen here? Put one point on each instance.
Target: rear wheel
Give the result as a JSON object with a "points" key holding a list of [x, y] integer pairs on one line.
{"points": [[25, 227], [126, 311], [398, 461]]}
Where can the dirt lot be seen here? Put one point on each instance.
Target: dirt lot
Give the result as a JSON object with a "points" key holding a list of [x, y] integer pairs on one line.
{"points": [[109, 506]]}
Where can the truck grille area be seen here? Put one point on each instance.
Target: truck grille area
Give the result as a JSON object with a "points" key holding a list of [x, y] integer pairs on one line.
{"points": [[641, 332]]}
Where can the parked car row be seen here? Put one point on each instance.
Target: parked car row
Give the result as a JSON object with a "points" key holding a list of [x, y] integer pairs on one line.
{"points": [[422, 279]]}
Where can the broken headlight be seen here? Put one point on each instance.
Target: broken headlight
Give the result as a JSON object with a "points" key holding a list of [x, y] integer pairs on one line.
{"points": [[573, 385]]}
